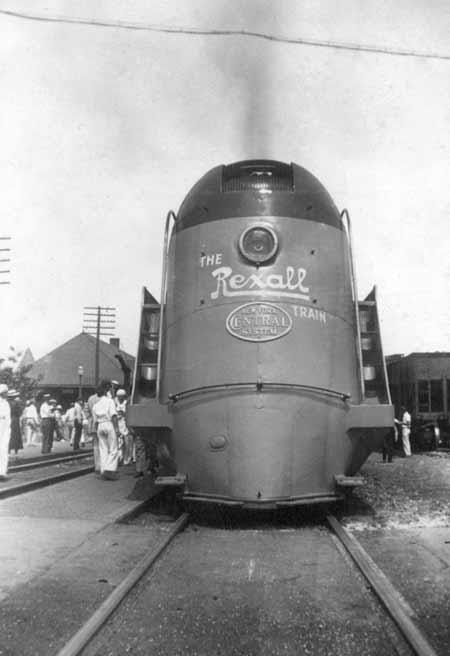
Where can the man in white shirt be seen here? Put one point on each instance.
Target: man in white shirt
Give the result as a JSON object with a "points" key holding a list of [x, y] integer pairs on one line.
{"points": [[405, 423], [5, 431], [104, 415], [31, 423], [92, 400], [68, 423], [46, 412]]}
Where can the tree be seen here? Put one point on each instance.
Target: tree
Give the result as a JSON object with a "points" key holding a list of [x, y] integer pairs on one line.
{"points": [[15, 376]]}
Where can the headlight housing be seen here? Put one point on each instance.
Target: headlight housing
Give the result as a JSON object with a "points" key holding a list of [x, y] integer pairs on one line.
{"points": [[258, 243]]}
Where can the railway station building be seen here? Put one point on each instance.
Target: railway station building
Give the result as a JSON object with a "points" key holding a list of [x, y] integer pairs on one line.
{"points": [[69, 370], [421, 382]]}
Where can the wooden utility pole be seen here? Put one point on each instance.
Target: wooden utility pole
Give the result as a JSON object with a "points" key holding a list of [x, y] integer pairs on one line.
{"points": [[101, 325]]}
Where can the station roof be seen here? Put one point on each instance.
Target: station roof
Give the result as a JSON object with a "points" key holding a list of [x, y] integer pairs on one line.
{"points": [[59, 368]]}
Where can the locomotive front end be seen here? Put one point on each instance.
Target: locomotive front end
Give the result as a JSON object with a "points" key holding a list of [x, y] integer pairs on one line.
{"points": [[261, 367]]}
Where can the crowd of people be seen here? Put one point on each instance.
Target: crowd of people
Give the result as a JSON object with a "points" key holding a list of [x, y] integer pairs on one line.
{"points": [[100, 421]]}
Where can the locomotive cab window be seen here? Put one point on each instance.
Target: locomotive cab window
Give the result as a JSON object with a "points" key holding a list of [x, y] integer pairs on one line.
{"points": [[258, 244]]}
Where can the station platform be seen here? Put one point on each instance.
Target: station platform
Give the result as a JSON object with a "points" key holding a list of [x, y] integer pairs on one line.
{"points": [[43, 526]]}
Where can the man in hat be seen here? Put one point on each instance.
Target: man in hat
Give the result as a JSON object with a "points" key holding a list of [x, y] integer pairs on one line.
{"points": [[5, 430], [46, 412]]}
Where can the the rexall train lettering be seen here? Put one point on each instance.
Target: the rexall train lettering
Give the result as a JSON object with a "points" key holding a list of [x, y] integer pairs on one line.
{"points": [[285, 285]]}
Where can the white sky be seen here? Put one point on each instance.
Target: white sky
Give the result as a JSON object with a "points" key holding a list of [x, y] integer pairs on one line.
{"points": [[104, 130]]}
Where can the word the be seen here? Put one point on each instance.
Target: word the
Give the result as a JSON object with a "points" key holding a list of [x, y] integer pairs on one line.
{"points": [[211, 260]]}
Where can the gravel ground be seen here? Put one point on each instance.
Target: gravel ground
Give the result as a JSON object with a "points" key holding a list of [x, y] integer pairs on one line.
{"points": [[409, 492], [402, 518]]}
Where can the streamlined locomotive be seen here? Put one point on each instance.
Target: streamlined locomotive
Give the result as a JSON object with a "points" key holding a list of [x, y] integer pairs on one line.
{"points": [[260, 371]]}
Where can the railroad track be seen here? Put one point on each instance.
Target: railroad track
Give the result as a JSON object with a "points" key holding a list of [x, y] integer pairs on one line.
{"points": [[405, 638], [19, 481], [46, 461]]}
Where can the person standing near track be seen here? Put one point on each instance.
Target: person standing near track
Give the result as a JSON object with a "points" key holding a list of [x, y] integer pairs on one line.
{"points": [[104, 415], [92, 400], [125, 433], [31, 423], [68, 423], [15, 442], [405, 424], [388, 444], [47, 424], [5, 431], [78, 424], [59, 424]]}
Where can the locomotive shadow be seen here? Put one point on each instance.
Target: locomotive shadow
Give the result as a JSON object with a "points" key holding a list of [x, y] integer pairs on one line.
{"points": [[167, 505], [224, 517]]}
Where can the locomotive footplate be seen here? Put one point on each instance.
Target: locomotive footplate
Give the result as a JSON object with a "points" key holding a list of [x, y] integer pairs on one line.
{"points": [[349, 481], [171, 481]]}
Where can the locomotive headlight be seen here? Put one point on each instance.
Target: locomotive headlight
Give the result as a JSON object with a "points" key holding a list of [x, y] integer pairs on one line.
{"points": [[258, 244]]}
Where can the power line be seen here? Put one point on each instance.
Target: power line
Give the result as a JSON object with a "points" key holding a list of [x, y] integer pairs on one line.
{"points": [[226, 32]]}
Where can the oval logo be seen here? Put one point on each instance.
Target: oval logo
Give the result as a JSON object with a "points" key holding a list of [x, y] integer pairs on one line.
{"points": [[258, 322]]}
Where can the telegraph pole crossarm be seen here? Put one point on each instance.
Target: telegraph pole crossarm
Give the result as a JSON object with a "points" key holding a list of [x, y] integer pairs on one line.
{"points": [[5, 259], [101, 325]]}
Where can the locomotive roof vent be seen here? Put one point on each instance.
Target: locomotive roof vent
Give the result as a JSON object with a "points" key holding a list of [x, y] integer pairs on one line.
{"points": [[261, 175]]}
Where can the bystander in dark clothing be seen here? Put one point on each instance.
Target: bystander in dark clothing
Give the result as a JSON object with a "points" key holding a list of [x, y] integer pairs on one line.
{"points": [[142, 454], [5, 430], [388, 444], [15, 441], [78, 424]]}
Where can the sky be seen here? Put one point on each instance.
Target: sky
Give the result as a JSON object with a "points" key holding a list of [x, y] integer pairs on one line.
{"points": [[104, 130]]}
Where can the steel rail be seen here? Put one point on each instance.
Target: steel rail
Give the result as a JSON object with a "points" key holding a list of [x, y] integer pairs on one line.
{"points": [[385, 591], [80, 640], [36, 464], [21, 488]]}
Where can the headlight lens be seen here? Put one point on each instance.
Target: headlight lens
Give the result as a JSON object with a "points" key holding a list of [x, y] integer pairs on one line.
{"points": [[258, 244]]}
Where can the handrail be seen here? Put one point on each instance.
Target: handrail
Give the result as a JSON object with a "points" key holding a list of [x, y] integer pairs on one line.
{"points": [[383, 359], [345, 214], [259, 386], [139, 349], [170, 215]]}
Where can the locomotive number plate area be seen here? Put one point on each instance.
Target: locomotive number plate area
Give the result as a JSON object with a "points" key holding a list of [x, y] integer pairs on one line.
{"points": [[258, 322]]}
